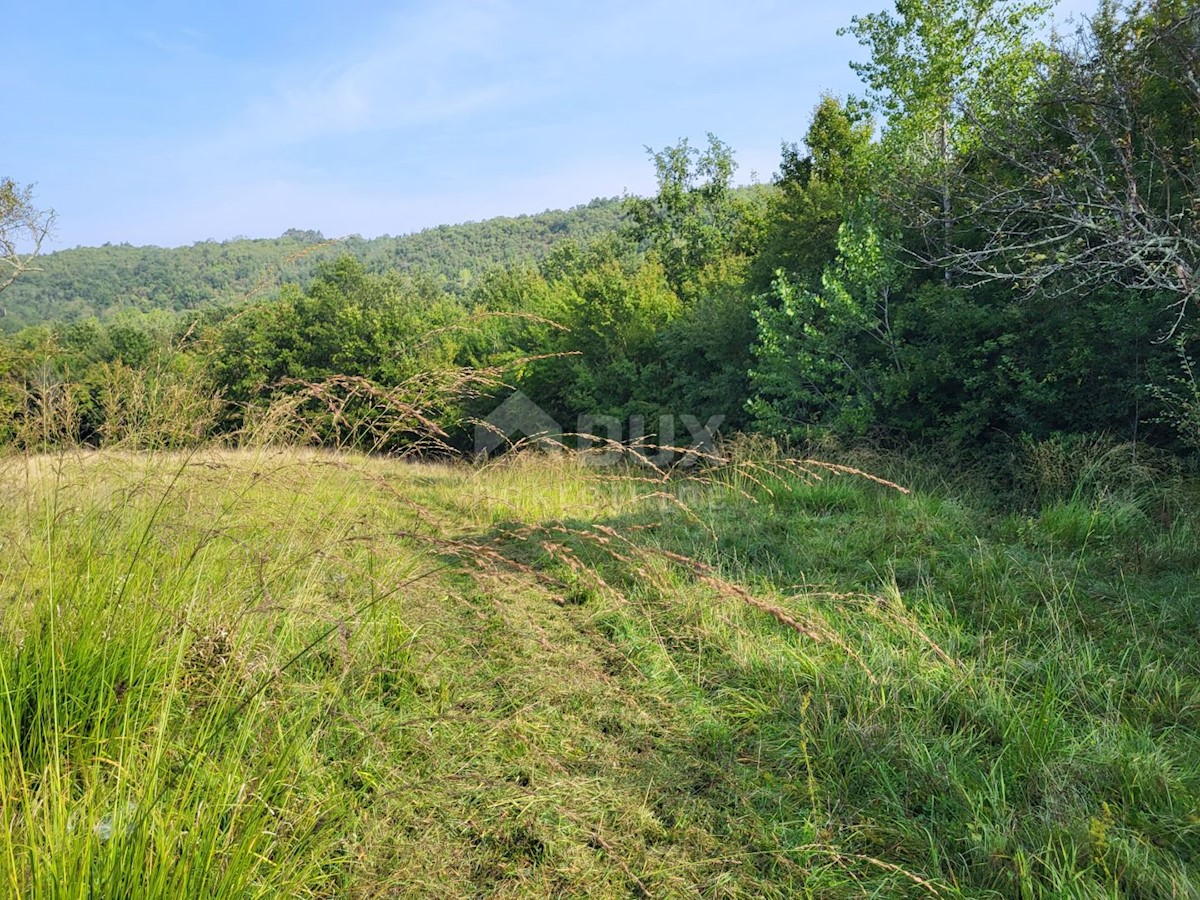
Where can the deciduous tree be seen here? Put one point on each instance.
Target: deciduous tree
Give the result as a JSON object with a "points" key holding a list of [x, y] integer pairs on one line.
{"points": [[1095, 182], [930, 60]]}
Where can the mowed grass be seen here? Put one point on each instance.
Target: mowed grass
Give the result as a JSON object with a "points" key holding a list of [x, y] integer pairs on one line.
{"points": [[286, 673]]}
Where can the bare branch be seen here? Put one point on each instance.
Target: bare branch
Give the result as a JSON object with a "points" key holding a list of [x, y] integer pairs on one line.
{"points": [[23, 229], [1096, 181]]}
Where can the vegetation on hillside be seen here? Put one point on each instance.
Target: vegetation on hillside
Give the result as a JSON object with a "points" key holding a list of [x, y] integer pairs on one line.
{"points": [[265, 636], [978, 250], [117, 280], [307, 674]]}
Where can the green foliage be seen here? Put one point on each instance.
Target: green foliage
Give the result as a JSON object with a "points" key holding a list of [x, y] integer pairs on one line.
{"points": [[940, 73], [1093, 181], [383, 329], [838, 141], [932, 59], [815, 192], [613, 305], [1179, 395], [626, 344], [986, 362], [307, 674], [1001, 263], [695, 219], [101, 282], [705, 354], [815, 359]]}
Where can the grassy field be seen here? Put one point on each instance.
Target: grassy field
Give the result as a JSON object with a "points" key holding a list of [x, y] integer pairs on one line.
{"points": [[285, 673]]}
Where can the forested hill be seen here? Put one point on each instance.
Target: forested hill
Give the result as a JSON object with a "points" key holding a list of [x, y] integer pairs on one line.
{"points": [[1033, 279], [101, 281]]}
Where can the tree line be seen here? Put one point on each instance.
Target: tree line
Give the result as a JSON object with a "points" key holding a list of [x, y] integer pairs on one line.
{"points": [[997, 239], [123, 281]]}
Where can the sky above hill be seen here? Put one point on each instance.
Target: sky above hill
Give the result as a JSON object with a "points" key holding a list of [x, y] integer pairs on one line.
{"points": [[169, 122]]}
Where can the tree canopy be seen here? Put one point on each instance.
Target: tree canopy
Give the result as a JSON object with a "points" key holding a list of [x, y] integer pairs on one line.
{"points": [[996, 241]]}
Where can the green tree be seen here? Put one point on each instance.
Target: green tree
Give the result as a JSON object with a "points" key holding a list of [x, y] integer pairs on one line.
{"points": [[614, 305], [930, 61], [383, 328], [826, 357], [695, 218], [815, 192], [1095, 181]]}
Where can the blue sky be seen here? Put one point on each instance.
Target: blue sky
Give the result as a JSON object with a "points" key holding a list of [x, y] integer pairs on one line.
{"points": [[170, 122]]}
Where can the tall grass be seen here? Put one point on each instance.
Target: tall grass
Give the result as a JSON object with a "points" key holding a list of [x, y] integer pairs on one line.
{"points": [[145, 749], [282, 672]]}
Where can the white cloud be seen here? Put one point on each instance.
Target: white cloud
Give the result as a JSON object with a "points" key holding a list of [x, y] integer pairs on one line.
{"points": [[169, 45], [427, 111], [408, 75], [449, 61]]}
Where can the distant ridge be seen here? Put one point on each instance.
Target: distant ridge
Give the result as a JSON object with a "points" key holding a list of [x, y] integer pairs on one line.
{"points": [[103, 281]]}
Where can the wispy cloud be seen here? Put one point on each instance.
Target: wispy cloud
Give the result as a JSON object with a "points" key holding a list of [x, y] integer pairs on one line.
{"points": [[445, 61], [391, 116], [418, 69], [167, 46]]}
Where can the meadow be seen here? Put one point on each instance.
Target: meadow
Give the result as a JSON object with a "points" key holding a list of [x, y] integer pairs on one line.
{"points": [[285, 672], [959, 660]]}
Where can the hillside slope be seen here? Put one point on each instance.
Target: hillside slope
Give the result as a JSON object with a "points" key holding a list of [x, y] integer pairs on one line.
{"points": [[301, 674], [102, 281]]}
